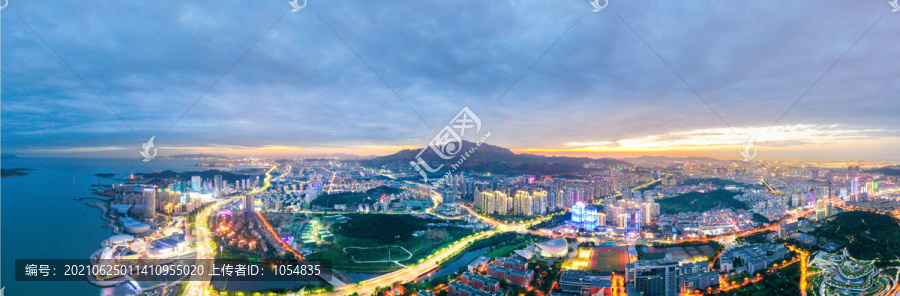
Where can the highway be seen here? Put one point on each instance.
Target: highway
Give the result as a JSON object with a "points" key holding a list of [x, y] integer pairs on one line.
{"points": [[198, 284], [415, 271]]}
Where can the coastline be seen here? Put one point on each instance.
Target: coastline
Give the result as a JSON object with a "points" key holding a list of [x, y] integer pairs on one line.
{"points": [[105, 214]]}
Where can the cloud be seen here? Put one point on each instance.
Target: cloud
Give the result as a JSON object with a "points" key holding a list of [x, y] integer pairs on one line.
{"points": [[777, 136], [301, 86]]}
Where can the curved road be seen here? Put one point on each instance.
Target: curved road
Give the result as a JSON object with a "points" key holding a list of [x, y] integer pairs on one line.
{"points": [[415, 271], [205, 250]]}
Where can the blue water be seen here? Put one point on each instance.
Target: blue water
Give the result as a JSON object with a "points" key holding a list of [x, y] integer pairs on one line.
{"points": [[454, 266], [39, 219]]}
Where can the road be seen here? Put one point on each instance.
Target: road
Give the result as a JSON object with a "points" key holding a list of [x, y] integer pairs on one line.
{"points": [[198, 284], [415, 271]]}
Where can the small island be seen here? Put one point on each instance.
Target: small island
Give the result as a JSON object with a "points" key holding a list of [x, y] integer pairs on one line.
{"points": [[9, 173]]}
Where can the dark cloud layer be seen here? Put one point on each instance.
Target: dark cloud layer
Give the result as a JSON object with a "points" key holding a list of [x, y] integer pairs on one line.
{"points": [[300, 85]]}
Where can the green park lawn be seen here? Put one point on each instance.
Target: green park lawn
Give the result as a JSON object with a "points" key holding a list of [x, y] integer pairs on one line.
{"points": [[380, 231]]}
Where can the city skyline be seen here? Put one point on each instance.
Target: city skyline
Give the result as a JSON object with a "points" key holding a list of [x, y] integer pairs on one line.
{"points": [[545, 78]]}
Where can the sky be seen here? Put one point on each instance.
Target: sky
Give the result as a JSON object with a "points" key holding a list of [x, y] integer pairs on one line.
{"points": [[803, 79]]}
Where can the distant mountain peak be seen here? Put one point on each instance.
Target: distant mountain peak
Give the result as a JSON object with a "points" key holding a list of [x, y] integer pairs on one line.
{"points": [[493, 159]]}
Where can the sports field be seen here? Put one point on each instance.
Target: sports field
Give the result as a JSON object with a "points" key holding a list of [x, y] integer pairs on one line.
{"points": [[609, 259]]}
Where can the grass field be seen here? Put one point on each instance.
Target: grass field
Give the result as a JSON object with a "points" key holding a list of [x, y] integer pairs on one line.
{"points": [[384, 253], [396, 230], [609, 259]]}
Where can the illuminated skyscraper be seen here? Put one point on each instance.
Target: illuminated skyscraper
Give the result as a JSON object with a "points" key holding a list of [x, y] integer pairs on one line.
{"points": [[196, 185], [161, 200], [612, 215], [584, 217], [632, 221], [217, 186], [540, 202], [823, 209], [524, 203], [589, 218], [150, 203], [811, 197], [577, 212]]}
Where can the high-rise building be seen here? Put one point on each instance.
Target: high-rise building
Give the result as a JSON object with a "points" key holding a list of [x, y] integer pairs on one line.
{"points": [[811, 197], [577, 213], [196, 184], [540, 202], [217, 186], [613, 213], [476, 202], [589, 218], [551, 201], [248, 203], [787, 228], [524, 203], [150, 203], [497, 202], [584, 217], [823, 209], [653, 277], [561, 199], [633, 221], [871, 187], [650, 210], [161, 200]]}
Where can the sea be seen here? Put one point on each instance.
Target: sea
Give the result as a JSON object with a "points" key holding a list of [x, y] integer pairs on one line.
{"points": [[40, 220]]}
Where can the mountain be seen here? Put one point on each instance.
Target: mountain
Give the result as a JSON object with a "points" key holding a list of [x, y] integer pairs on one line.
{"points": [[488, 158]]}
